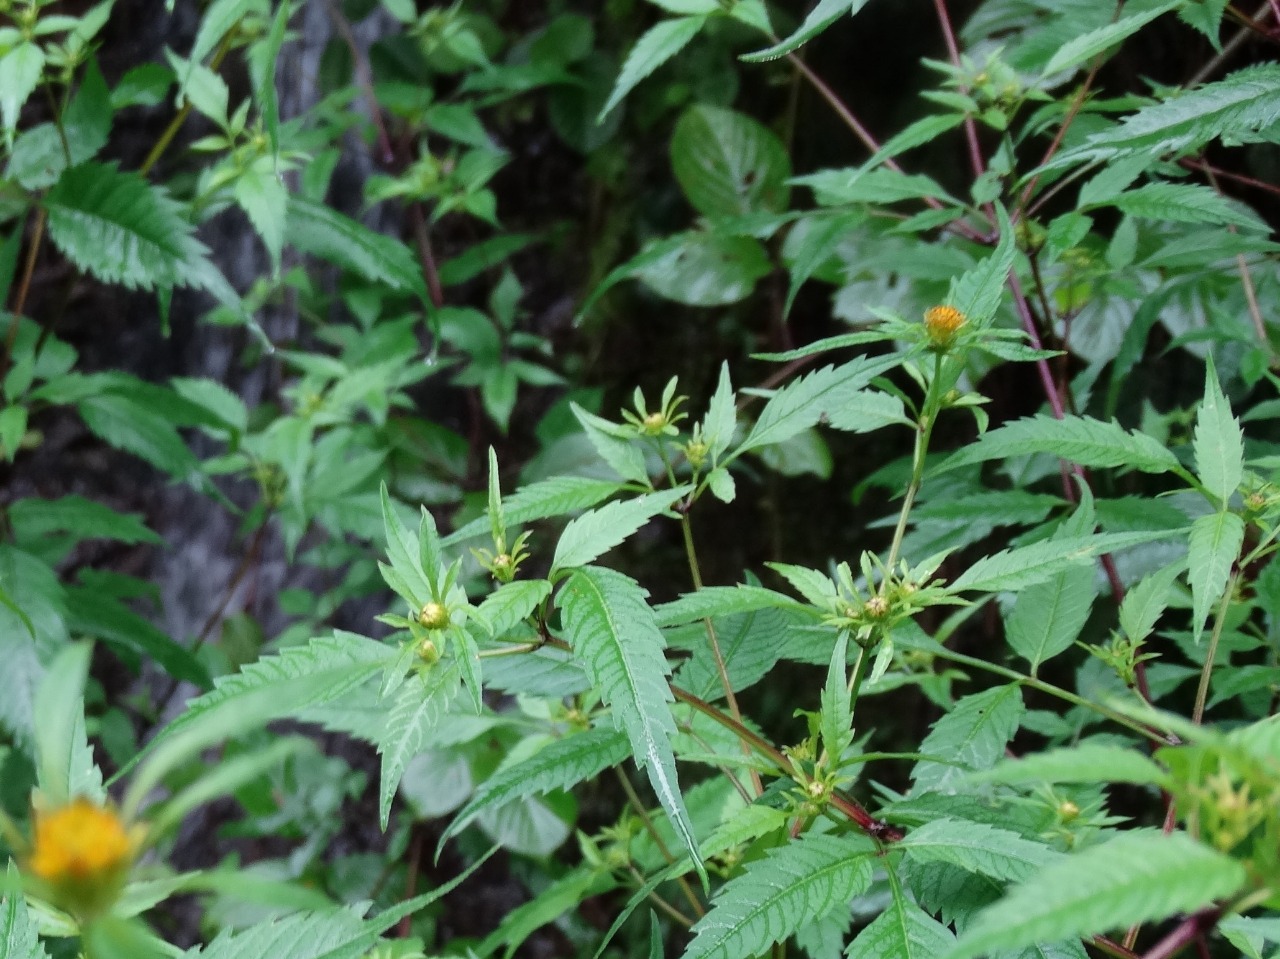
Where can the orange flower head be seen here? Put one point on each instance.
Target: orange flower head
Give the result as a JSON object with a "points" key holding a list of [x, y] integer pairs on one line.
{"points": [[942, 323], [79, 841]]}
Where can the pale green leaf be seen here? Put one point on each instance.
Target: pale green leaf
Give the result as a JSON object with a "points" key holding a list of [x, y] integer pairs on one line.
{"points": [[712, 601], [417, 709], [599, 530], [1184, 203], [1135, 878], [971, 737], [18, 933], [1016, 569], [1086, 46], [31, 518], [1079, 439], [541, 500], [820, 17], [510, 603], [1085, 763], [978, 291], [722, 417], [322, 231], [1218, 441], [774, 896], [1048, 617], [1214, 545], [614, 444], [902, 931], [1145, 603], [558, 765], [20, 70], [658, 45], [614, 636], [979, 848]]}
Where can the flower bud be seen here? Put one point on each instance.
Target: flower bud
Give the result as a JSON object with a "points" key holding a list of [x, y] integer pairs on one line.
{"points": [[434, 616], [942, 323]]}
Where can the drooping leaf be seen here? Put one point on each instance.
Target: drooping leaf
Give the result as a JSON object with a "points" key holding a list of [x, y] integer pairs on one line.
{"points": [[798, 882], [322, 231], [658, 45], [1136, 877], [1214, 545], [970, 737], [121, 228], [614, 636], [820, 17], [558, 765], [417, 709], [1218, 441], [727, 163], [902, 931], [1079, 439], [599, 530]]}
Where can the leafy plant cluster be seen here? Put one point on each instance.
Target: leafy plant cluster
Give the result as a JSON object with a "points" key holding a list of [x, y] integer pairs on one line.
{"points": [[1031, 712]]}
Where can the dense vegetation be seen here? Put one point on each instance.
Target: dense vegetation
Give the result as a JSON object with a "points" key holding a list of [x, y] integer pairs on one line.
{"points": [[742, 521]]}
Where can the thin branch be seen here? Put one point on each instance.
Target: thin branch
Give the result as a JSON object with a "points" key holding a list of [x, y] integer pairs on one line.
{"points": [[1185, 933], [953, 52], [1231, 46]]}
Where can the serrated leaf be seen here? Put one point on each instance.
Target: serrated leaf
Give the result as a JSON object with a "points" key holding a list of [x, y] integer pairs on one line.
{"points": [[405, 552], [121, 228], [1213, 547], [712, 601], [1086, 46], [558, 765], [34, 517], [1016, 569], [1234, 108], [324, 232], [417, 709], [836, 718], [727, 163], [1134, 878], [658, 45], [20, 70], [977, 847], [802, 403], [1085, 763], [1183, 203], [977, 292], [614, 636], [1144, 604], [820, 17], [265, 201], [1218, 441], [902, 931], [1048, 617], [598, 531], [614, 445], [722, 417], [19, 937], [510, 603], [544, 499], [750, 645], [804, 880], [972, 736], [1080, 439]]}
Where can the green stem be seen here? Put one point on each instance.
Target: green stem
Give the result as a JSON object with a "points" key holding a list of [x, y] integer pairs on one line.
{"points": [[855, 681], [652, 830], [924, 430], [180, 118], [1219, 620]]}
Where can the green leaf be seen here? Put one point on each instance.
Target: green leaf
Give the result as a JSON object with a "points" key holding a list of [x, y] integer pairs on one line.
{"points": [[1080, 439], [804, 402], [837, 715], [416, 711], [18, 933], [1016, 569], [509, 604], [60, 706], [31, 518], [541, 500], [1214, 545], [1048, 617], [820, 17], [264, 199], [121, 228], [1235, 108], [1219, 441], [93, 612], [658, 45], [1085, 763], [1134, 878], [599, 530], [702, 269], [615, 638], [20, 70], [1183, 203], [561, 764], [405, 552], [803, 880], [1145, 603], [32, 630], [1086, 46], [972, 737], [712, 601], [322, 231], [979, 848], [614, 444], [727, 163], [722, 417], [130, 425], [902, 931], [977, 292]]}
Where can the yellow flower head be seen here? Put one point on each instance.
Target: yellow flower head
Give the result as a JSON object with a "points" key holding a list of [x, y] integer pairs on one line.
{"points": [[942, 323], [78, 841]]}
